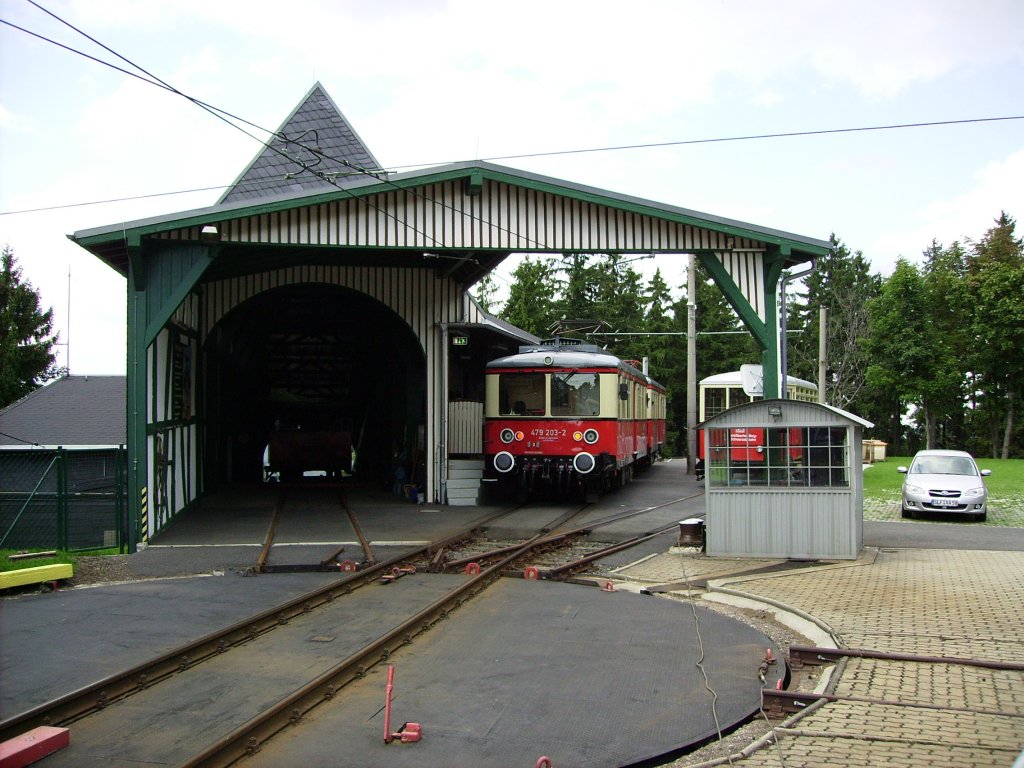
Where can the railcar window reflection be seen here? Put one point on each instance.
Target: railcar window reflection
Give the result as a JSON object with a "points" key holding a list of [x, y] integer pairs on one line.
{"points": [[521, 394], [714, 402], [575, 394], [781, 457]]}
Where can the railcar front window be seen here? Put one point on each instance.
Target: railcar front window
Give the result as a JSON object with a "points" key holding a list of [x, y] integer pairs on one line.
{"points": [[575, 394], [521, 394]]}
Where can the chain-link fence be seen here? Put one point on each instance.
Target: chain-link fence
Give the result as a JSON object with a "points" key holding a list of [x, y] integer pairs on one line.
{"points": [[63, 499]]}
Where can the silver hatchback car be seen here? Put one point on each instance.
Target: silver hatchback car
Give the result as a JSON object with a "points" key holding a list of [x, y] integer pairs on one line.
{"points": [[944, 481]]}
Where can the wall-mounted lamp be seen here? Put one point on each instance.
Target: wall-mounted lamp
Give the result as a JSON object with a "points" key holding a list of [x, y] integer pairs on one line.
{"points": [[775, 411], [210, 232]]}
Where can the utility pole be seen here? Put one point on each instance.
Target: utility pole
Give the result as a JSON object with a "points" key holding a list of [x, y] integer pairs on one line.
{"points": [[822, 351], [691, 362]]}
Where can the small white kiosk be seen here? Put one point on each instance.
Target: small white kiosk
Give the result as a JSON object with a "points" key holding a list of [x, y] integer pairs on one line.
{"points": [[784, 479]]}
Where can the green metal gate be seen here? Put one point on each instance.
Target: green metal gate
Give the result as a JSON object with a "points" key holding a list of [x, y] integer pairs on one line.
{"points": [[71, 500]]}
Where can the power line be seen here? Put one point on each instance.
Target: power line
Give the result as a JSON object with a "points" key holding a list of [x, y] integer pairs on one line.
{"points": [[721, 139], [381, 176], [329, 178], [222, 115], [553, 153]]}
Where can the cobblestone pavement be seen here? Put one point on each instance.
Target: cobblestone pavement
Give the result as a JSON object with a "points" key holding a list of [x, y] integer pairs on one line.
{"points": [[962, 604], [1004, 512]]}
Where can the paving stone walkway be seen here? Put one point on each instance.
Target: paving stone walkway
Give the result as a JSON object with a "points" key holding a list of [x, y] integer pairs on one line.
{"points": [[954, 604]]}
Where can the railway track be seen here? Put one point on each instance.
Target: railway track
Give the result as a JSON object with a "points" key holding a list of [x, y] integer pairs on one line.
{"points": [[215, 707]]}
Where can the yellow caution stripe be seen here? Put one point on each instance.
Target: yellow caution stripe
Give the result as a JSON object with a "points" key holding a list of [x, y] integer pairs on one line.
{"points": [[36, 575]]}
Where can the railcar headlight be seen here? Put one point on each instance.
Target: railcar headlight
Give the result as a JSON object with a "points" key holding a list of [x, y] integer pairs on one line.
{"points": [[583, 463], [507, 435], [504, 461], [591, 436], [520, 435], [577, 435]]}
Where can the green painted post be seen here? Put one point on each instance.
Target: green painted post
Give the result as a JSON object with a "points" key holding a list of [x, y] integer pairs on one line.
{"points": [[770, 358], [136, 396], [62, 500]]}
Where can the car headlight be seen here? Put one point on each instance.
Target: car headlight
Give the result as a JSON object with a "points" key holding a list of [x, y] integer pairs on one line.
{"points": [[974, 493], [915, 489]]}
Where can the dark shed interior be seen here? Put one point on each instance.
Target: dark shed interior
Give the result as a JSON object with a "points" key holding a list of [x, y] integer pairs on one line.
{"points": [[315, 358]]}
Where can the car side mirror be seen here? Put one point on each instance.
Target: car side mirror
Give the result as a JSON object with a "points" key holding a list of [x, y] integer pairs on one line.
{"points": [[901, 470], [986, 472]]}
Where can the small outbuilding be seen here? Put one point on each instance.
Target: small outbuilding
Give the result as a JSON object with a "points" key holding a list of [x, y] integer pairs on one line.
{"points": [[62, 466], [784, 478]]}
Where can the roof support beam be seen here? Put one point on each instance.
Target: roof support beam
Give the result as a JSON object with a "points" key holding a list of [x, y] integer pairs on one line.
{"points": [[765, 272], [169, 303]]}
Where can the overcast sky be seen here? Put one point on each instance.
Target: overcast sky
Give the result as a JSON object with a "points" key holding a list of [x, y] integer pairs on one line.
{"points": [[426, 82]]}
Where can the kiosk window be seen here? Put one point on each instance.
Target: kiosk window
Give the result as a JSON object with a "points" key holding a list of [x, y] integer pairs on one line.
{"points": [[779, 457]]}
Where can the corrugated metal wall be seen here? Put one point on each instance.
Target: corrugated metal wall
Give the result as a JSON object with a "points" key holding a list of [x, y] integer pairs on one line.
{"points": [[465, 428], [795, 522], [503, 216]]}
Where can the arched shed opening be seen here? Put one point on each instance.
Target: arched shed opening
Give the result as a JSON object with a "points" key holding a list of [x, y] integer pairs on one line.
{"points": [[317, 358]]}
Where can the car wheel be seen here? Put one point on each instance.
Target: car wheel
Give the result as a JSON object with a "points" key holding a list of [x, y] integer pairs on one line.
{"points": [[981, 517], [906, 513]]}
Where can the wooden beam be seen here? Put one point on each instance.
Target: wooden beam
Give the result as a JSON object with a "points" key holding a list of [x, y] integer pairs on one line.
{"points": [[37, 575]]}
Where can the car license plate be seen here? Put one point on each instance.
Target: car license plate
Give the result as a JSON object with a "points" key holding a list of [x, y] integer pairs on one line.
{"points": [[945, 502]]}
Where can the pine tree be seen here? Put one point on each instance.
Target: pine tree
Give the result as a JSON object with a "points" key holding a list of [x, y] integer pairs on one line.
{"points": [[996, 280], [531, 299], [27, 359]]}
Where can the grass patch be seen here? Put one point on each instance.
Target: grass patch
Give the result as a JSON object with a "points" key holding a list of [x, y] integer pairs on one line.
{"points": [[1005, 485], [882, 481], [6, 564]]}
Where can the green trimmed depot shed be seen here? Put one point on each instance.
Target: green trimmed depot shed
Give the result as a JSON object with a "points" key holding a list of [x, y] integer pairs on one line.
{"points": [[324, 293], [784, 479]]}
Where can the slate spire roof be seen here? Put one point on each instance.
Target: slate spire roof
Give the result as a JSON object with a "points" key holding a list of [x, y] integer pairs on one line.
{"points": [[317, 135]]}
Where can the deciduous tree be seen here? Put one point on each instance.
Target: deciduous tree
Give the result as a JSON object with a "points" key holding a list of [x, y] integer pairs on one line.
{"points": [[842, 282]]}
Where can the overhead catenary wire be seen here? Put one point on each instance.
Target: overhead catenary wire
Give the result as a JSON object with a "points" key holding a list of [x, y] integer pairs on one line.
{"points": [[329, 178], [225, 115], [222, 115], [553, 153]]}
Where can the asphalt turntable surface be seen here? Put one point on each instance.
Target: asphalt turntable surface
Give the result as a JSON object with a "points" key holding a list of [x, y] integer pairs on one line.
{"points": [[583, 676]]}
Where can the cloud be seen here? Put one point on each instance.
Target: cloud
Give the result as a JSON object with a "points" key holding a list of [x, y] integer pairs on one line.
{"points": [[15, 122], [968, 215]]}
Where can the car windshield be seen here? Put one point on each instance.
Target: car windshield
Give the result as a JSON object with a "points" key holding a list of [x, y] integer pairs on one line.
{"points": [[944, 465]]}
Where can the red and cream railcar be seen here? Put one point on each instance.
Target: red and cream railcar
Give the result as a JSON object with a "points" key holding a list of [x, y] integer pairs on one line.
{"points": [[745, 445], [569, 416]]}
